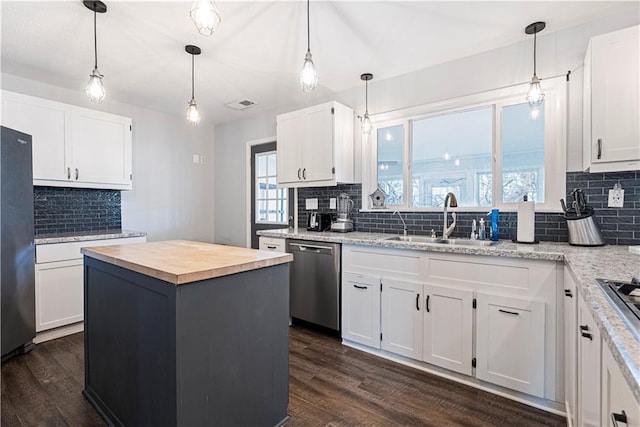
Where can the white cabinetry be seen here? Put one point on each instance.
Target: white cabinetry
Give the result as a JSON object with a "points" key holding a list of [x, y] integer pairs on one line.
{"points": [[315, 146], [59, 281], [361, 309], [589, 347], [272, 244], [401, 318], [612, 102], [617, 398], [72, 146], [570, 346], [510, 342], [448, 328]]}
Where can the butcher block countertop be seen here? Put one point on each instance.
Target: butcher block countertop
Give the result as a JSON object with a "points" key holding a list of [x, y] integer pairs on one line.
{"points": [[181, 261]]}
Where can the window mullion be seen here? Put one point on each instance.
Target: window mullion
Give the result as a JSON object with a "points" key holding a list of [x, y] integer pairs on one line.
{"points": [[497, 156], [407, 158]]}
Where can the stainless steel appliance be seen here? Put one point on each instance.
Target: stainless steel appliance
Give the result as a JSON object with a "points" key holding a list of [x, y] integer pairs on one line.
{"points": [[625, 297], [581, 224], [315, 282], [18, 252], [318, 221], [343, 223]]}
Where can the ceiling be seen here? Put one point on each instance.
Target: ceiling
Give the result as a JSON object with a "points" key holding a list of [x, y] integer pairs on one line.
{"points": [[259, 48]]}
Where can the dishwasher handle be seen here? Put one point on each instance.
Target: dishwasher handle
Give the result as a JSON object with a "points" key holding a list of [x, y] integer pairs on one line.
{"points": [[311, 248]]}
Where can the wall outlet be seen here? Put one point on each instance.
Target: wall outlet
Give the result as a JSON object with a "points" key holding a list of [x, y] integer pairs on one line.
{"points": [[332, 203], [311, 204], [616, 198]]}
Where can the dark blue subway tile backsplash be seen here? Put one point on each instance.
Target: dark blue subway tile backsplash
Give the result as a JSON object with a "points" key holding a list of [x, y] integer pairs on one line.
{"points": [[68, 210], [620, 226]]}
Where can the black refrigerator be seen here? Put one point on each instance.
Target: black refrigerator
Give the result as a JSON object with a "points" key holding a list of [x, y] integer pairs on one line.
{"points": [[17, 252]]}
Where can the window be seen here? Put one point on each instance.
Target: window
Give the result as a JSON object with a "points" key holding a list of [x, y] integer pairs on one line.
{"points": [[271, 202], [489, 150]]}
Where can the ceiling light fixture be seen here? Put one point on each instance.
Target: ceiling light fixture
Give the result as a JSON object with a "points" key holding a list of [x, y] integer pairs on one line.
{"points": [[95, 90], [193, 116], [308, 75], [204, 14], [535, 96], [366, 121]]}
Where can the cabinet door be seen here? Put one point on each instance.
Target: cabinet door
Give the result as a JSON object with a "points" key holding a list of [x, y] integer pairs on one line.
{"points": [[361, 309], [510, 342], [101, 148], [289, 147], [59, 294], [615, 96], [448, 326], [317, 148], [617, 397], [570, 346], [588, 368], [47, 123], [402, 318]]}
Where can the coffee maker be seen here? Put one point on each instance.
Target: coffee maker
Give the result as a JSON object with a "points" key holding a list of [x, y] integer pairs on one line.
{"points": [[343, 223]]}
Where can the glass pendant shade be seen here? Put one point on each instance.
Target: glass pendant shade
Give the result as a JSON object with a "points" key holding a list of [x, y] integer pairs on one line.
{"points": [[535, 96], [95, 90], [193, 115], [367, 126], [205, 16], [308, 75]]}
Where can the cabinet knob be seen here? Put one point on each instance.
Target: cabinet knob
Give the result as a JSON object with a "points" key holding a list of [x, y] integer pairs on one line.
{"points": [[621, 417]]}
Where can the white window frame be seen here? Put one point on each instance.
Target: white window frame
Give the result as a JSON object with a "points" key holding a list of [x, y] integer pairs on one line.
{"points": [[285, 192], [554, 151]]}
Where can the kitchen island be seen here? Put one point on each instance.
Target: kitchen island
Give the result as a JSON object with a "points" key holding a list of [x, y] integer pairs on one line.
{"points": [[186, 333]]}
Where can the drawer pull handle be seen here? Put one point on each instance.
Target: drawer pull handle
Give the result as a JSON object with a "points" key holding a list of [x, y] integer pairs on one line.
{"points": [[587, 335], [418, 302], [359, 287], [271, 247], [584, 327], [509, 312], [426, 304], [616, 418]]}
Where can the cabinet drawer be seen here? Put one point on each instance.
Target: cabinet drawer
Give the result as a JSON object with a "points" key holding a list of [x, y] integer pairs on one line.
{"points": [[272, 244], [396, 263], [71, 250]]}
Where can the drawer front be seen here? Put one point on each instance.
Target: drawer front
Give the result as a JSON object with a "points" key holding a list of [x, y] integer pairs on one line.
{"points": [[390, 263], [71, 250], [272, 244]]}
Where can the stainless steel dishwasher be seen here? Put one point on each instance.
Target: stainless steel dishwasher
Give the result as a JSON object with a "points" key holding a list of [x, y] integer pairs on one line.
{"points": [[315, 282]]}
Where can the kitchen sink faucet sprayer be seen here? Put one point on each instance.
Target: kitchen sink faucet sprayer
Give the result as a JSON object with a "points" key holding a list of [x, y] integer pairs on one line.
{"points": [[453, 203], [404, 230]]}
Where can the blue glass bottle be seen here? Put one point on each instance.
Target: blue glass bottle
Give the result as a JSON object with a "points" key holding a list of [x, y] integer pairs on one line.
{"points": [[494, 224]]}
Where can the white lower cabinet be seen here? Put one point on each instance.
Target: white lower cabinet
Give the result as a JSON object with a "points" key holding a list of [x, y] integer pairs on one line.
{"points": [[570, 347], [402, 318], [589, 347], [618, 402], [273, 244], [448, 328], [510, 342], [361, 309]]}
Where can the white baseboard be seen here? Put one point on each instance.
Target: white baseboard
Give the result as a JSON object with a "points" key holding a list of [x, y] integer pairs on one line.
{"points": [[60, 332]]}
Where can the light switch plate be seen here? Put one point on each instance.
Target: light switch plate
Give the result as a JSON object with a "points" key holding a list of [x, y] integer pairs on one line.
{"points": [[332, 203], [311, 204], [616, 198]]}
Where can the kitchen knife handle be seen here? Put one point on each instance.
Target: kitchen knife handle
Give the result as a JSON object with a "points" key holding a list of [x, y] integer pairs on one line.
{"points": [[621, 417], [599, 148]]}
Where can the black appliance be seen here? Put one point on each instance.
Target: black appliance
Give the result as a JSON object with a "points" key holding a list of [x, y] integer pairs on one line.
{"points": [[318, 221], [18, 251], [625, 297]]}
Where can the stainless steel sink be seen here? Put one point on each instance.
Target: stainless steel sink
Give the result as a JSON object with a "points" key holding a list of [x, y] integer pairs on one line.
{"points": [[415, 239], [467, 242]]}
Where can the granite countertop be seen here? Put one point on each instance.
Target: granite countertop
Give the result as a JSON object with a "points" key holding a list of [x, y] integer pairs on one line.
{"points": [[181, 261], [43, 239], [584, 263]]}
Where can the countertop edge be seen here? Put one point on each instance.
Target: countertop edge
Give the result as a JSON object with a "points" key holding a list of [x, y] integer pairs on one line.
{"points": [[46, 240]]}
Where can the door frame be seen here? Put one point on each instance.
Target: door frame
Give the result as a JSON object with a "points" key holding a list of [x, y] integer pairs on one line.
{"points": [[248, 201]]}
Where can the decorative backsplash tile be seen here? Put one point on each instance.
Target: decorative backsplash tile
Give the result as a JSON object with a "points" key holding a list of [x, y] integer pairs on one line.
{"points": [[64, 210], [620, 226]]}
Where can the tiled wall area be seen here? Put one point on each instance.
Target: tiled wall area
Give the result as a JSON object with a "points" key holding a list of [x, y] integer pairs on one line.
{"points": [[63, 210], [619, 226]]}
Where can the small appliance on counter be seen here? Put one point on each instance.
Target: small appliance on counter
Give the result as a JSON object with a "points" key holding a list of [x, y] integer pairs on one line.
{"points": [[318, 221], [343, 224], [581, 224]]}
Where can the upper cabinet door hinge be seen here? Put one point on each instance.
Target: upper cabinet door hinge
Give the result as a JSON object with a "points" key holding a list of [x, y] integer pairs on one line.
{"points": [[475, 303]]}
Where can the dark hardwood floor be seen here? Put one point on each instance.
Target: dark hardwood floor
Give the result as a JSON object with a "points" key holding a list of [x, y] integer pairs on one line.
{"points": [[330, 385]]}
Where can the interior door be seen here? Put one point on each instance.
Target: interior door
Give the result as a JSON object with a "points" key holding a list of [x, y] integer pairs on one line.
{"points": [[271, 207]]}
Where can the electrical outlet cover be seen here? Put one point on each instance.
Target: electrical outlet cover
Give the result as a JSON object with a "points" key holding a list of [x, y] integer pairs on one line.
{"points": [[616, 198], [311, 204]]}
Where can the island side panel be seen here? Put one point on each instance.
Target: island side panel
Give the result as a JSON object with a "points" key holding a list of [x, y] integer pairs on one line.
{"points": [[129, 345], [233, 351]]}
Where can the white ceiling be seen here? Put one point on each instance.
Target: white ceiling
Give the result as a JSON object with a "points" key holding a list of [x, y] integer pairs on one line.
{"points": [[259, 48]]}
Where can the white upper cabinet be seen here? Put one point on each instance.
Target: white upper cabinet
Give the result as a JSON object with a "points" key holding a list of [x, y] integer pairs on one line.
{"points": [[315, 146], [72, 146], [612, 102]]}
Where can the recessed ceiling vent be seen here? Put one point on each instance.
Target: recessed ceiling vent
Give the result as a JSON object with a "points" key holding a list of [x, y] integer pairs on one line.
{"points": [[241, 105]]}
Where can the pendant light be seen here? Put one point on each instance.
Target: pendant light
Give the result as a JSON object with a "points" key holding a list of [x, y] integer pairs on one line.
{"points": [[204, 14], [308, 75], [535, 96], [193, 115], [95, 90], [366, 121]]}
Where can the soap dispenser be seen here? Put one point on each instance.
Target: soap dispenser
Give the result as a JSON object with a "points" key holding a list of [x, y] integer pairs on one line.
{"points": [[482, 231]]}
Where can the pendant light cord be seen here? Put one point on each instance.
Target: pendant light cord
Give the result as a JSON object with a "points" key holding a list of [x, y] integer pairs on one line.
{"points": [[534, 52], [308, 31], [95, 37], [192, 80], [366, 97]]}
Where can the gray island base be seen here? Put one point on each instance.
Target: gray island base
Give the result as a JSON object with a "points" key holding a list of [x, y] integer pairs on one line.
{"points": [[212, 352]]}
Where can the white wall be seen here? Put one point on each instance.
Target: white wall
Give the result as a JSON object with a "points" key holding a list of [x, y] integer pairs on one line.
{"points": [[557, 53], [172, 198]]}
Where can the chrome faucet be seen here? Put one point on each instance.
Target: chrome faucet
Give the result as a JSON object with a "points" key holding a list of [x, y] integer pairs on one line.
{"points": [[404, 231], [453, 203]]}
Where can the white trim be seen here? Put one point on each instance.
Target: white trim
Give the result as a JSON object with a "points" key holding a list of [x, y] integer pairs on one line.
{"points": [[59, 332], [247, 165]]}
